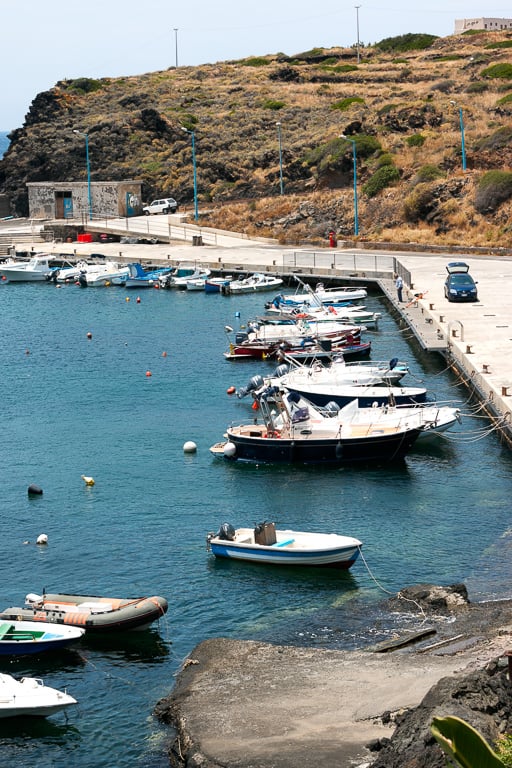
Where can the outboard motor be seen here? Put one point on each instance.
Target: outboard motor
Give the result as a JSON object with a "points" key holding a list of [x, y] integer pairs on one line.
{"points": [[240, 338], [226, 532], [332, 409], [281, 370], [256, 382]]}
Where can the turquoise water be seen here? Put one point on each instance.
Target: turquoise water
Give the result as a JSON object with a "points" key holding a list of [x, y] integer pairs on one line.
{"points": [[74, 405]]}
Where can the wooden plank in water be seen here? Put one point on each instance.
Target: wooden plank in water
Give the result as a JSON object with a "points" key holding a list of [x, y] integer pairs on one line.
{"points": [[400, 642]]}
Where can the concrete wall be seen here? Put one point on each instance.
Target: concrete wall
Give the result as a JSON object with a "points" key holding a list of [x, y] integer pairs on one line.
{"points": [[108, 199]]}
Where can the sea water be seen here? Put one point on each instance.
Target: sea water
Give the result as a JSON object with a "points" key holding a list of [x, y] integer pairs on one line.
{"points": [[96, 382]]}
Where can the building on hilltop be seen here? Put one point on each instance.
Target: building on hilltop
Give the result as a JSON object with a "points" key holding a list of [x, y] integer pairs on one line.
{"points": [[489, 25]]}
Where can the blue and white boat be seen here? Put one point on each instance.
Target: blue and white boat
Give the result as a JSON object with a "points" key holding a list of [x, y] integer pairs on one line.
{"points": [[19, 638], [138, 277], [265, 544]]}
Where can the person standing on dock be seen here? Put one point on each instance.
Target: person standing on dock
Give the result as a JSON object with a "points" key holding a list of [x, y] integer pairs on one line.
{"points": [[399, 283]]}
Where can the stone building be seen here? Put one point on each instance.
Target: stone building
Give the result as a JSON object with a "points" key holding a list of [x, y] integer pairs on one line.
{"points": [[488, 24], [79, 200]]}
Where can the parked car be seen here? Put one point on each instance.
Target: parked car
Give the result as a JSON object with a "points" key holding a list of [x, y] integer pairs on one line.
{"points": [[459, 285], [164, 205]]}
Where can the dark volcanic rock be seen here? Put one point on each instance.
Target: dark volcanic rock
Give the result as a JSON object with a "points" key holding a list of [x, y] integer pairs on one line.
{"points": [[483, 699]]}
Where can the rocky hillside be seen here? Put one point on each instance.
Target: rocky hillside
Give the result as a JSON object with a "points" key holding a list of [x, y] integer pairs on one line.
{"points": [[400, 108]]}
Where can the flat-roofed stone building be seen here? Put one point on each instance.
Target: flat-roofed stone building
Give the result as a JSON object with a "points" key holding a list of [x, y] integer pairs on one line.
{"points": [[486, 23], [79, 200]]}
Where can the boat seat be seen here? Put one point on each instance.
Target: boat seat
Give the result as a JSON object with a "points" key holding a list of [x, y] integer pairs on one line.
{"points": [[283, 543], [4, 629]]}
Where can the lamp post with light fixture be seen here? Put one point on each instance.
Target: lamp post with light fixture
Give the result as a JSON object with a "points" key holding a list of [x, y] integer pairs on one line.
{"points": [[88, 166], [354, 168], [193, 139], [281, 185]]}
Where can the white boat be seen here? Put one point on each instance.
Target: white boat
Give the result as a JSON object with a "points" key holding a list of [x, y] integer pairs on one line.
{"points": [[69, 274], [30, 697], [98, 275], [324, 295], [294, 431], [265, 544], [36, 269], [256, 282], [322, 313], [338, 371], [19, 638], [196, 284], [276, 330], [177, 280], [217, 284]]}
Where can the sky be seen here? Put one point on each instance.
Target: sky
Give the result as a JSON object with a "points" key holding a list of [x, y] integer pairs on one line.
{"points": [[45, 41]]}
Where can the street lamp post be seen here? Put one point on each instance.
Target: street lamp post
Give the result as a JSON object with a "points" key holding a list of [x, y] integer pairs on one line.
{"points": [[462, 141], [193, 138], [281, 185], [354, 166], [88, 165], [357, 7], [176, 45]]}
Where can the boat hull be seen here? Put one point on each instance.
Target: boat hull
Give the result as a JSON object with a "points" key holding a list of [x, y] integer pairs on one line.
{"points": [[366, 396], [92, 613], [381, 447], [21, 638], [337, 557], [29, 697]]}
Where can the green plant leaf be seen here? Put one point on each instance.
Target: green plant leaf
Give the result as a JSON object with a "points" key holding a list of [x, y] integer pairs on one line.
{"points": [[461, 742]]}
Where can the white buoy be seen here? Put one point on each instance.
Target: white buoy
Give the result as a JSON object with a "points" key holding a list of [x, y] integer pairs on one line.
{"points": [[42, 539], [229, 450], [190, 447]]}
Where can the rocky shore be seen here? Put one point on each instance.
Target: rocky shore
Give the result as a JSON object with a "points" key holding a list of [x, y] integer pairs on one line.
{"points": [[247, 704]]}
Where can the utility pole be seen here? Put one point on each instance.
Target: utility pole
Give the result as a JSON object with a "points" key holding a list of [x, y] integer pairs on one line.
{"points": [[357, 7], [176, 45]]}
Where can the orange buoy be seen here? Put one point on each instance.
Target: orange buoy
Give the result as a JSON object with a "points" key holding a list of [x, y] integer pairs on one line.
{"points": [[231, 390], [148, 374], [164, 354], [138, 299], [255, 405]]}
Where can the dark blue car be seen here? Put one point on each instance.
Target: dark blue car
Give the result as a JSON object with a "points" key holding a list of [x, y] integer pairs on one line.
{"points": [[459, 285]]}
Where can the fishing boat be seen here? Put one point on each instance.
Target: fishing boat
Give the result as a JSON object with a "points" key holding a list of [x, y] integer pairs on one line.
{"points": [[92, 613], [36, 269], [293, 430], [266, 544], [19, 638], [306, 349], [30, 697], [259, 281]]}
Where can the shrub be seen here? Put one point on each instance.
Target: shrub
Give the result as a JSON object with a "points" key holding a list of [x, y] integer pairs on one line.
{"points": [[386, 158], [504, 749], [255, 61], [416, 140], [85, 85], [498, 71], [420, 202], [493, 189], [427, 173], [505, 99], [345, 104], [477, 87], [330, 156], [500, 44], [402, 43], [443, 86], [273, 104], [382, 178], [499, 139]]}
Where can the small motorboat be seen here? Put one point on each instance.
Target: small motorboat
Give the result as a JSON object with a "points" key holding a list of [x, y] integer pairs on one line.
{"points": [[99, 275], [138, 277], [36, 269], [259, 281], [19, 638], [265, 544], [294, 431], [182, 275], [321, 294], [91, 613], [30, 697], [217, 284]]}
